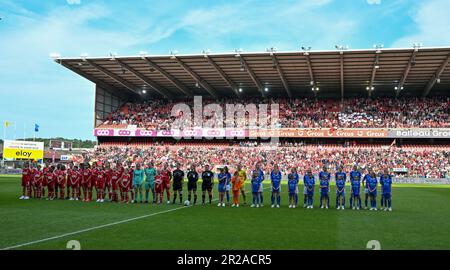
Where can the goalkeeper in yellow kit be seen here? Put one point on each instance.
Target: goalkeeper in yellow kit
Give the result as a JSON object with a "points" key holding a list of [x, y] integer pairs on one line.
{"points": [[243, 177]]}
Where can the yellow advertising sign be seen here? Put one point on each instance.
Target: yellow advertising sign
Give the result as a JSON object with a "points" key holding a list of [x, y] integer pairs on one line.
{"points": [[23, 150]]}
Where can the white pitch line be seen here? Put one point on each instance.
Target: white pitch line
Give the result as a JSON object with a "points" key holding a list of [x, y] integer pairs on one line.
{"points": [[93, 228]]}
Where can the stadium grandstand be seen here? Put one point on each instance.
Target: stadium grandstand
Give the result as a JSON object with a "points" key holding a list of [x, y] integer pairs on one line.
{"points": [[335, 107]]}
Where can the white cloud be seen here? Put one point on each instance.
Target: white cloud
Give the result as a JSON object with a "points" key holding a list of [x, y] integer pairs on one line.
{"points": [[73, 2], [373, 2], [432, 22]]}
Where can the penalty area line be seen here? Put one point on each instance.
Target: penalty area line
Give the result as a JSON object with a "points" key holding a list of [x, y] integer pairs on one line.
{"points": [[93, 228]]}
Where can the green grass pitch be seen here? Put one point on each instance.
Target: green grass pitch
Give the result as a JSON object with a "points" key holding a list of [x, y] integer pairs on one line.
{"points": [[420, 220]]}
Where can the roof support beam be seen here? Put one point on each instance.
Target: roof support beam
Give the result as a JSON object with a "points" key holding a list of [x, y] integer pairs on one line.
{"points": [[146, 80], [436, 76], [374, 72], [98, 82], [169, 77], [342, 75], [253, 76], [411, 62], [281, 74], [224, 76], [200, 81], [308, 64], [113, 76]]}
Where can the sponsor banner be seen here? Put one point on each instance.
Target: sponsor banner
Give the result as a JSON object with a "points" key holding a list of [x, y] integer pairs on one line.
{"points": [[282, 133], [23, 150], [319, 133], [103, 132], [411, 180], [65, 157], [420, 133]]}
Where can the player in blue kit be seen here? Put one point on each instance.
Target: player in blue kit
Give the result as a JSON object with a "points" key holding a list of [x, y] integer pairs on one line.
{"points": [[355, 182], [310, 182], [372, 184], [228, 184], [260, 178], [255, 183], [386, 190], [340, 177], [275, 178], [324, 177], [293, 179], [222, 186]]}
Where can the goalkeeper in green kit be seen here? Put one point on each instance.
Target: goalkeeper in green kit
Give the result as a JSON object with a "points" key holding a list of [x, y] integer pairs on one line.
{"points": [[150, 174], [138, 179]]}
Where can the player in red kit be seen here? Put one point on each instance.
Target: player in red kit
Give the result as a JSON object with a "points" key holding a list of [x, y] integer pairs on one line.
{"points": [[130, 173], [69, 184], [37, 182], [94, 172], [115, 178], [61, 180], [166, 175], [86, 182], [74, 180], [108, 183], [124, 184], [50, 179], [100, 185], [26, 182], [159, 188]]}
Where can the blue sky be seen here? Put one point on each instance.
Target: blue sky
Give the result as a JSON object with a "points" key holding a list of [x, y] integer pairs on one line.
{"points": [[35, 89]]}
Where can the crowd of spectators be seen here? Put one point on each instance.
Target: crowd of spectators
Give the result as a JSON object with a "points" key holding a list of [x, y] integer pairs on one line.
{"points": [[418, 162], [297, 113]]}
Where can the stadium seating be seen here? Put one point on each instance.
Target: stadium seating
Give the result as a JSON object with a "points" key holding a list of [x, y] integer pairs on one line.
{"points": [[307, 113], [420, 161]]}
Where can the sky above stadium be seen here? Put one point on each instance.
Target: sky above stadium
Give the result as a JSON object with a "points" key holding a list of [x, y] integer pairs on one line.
{"points": [[34, 89]]}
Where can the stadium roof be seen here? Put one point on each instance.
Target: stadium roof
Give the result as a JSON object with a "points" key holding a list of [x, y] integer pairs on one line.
{"points": [[412, 71]]}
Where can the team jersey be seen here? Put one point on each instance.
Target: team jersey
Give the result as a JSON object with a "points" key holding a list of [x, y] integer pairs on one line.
{"points": [[126, 181], [86, 176], [61, 177], [158, 181], [293, 184], [115, 177], [340, 181], [243, 176], [108, 173], [236, 183], [166, 175], [37, 178], [372, 183], [324, 178], [355, 181], [138, 176], [207, 177], [150, 174], [192, 176], [100, 177], [74, 178], [26, 175], [50, 178], [228, 175], [255, 185], [178, 176], [276, 180], [386, 184], [222, 179], [309, 182]]}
